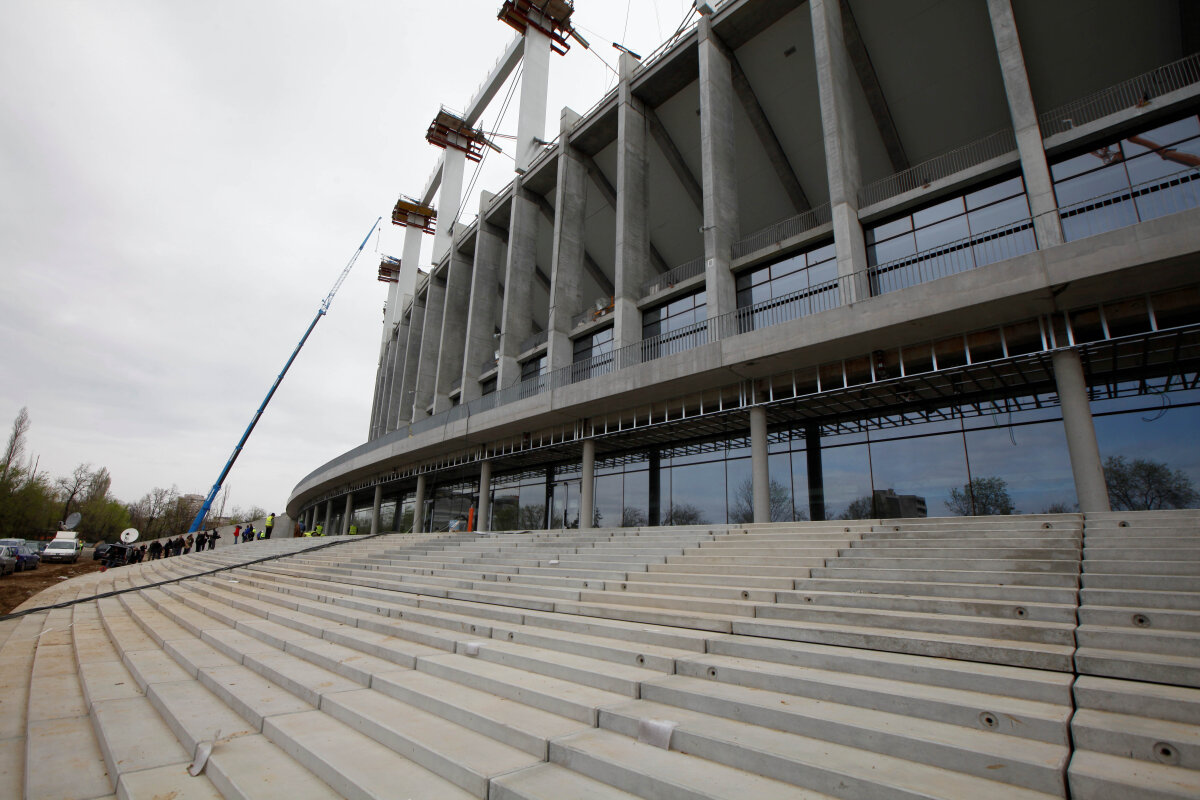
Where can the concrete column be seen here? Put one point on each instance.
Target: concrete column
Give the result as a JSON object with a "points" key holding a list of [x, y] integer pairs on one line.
{"points": [[719, 168], [449, 199], [328, 517], [349, 513], [485, 300], [835, 81], [633, 226], [587, 485], [419, 505], [654, 509], [535, 79], [454, 330], [517, 318], [395, 383], [378, 399], [410, 257], [566, 271], [431, 343], [758, 464], [376, 504], [412, 361], [1038, 186], [816, 473], [1082, 447], [483, 521]]}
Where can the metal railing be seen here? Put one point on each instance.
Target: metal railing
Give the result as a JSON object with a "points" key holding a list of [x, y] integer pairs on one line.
{"points": [[919, 176], [951, 258], [536, 340], [489, 364], [1136, 92], [784, 229], [1158, 198], [673, 276]]}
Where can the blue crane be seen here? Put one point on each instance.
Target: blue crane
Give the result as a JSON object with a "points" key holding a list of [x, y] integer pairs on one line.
{"points": [[322, 311]]}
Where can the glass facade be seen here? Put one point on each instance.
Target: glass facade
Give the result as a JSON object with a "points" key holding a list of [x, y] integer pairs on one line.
{"points": [[792, 287], [1139, 177], [970, 230], [592, 354], [675, 326]]}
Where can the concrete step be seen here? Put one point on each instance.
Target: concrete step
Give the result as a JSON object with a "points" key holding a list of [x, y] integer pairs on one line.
{"points": [[1096, 776], [1125, 566], [552, 782], [817, 764], [606, 675], [909, 688], [1159, 619], [1163, 583], [1139, 639], [840, 570], [967, 555], [716, 567], [648, 771], [971, 750], [1014, 629], [1016, 594], [1180, 670], [1066, 543], [1130, 736], [1154, 700], [944, 645], [1140, 599], [1009, 565], [918, 603]]}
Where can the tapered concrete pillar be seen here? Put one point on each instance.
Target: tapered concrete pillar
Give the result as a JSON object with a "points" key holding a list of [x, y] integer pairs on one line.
{"points": [[633, 267], [517, 318], [395, 383], [1038, 184], [376, 505], [816, 473], [348, 515], [454, 330], [328, 518], [1082, 447], [758, 464], [412, 362], [587, 485], [535, 80], [379, 398], [835, 81], [485, 302], [431, 343], [449, 199], [419, 505], [566, 275], [719, 167], [483, 520]]}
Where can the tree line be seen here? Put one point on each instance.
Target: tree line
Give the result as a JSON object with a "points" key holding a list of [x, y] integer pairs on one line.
{"points": [[34, 505]]}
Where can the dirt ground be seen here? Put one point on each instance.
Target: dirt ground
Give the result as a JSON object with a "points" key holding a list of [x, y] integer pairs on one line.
{"points": [[20, 586]]}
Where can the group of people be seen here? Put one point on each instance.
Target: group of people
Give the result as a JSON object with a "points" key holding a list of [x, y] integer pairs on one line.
{"points": [[248, 534], [180, 545]]}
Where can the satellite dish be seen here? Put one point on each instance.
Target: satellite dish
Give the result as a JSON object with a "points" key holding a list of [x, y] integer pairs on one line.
{"points": [[72, 521], [129, 535]]}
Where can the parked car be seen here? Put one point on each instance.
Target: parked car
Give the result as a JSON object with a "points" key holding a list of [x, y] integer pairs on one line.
{"points": [[8, 560], [61, 550], [100, 549], [26, 557]]}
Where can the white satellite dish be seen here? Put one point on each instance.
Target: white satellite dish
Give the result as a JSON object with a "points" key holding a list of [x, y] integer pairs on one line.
{"points": [[72, 521], [129, 535]]}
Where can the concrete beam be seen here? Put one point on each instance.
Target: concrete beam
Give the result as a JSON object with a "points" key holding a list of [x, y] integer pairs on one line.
{"points": [[717, 149], [762, 128], [869, 80], [683, 172], [633, 209], [589, 263], [609, 192], [412, 360]]}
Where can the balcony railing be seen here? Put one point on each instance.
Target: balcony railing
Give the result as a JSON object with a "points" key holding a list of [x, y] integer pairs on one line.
{"points": [[921, 175], [1136, 92], [1158, 198], [792, 226], [590, 314], [673, 276], [953, 257], [536, 340]]}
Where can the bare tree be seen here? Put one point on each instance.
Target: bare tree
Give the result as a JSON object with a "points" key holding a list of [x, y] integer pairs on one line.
{"points": [[742, 510], [981, 497], [71, 486], [1142, 485], [16, 445]]}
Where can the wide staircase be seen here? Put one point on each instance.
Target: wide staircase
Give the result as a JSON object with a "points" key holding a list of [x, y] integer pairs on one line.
{"points": [[1046, 656]]}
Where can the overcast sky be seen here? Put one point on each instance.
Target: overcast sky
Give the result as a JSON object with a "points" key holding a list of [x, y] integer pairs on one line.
{"points": [[181, 184]]}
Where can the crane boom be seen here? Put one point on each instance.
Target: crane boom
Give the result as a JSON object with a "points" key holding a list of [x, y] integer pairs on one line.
{"points": [[322, 311]]}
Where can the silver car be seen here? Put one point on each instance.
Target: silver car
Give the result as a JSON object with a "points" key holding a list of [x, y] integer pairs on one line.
{"points": [[61, 550]]}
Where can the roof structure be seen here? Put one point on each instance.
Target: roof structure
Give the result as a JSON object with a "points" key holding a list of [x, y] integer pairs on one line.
{"points": [[1026, 657]]}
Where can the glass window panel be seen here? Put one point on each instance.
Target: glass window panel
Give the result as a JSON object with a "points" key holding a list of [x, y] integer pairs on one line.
{"points": [[822, 273], [506, 508], [779, 471], [999, 191], [741, 491], [787, 266], [1181, 192], [929, 467], [942, 233], [891, 250], [886, 230], [1156, 166], [1031, 460], [800, 502], [821, 254], [636, 509], [1162, 136], [1010, 244], [1078, 164], [532, 511], [847, 480], [943, 210], [608, 501], [1006, 212], [787, 284], [1164, 439], [1101, 183]]}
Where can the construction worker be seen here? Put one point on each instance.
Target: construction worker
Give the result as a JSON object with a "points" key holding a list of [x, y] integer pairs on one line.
{"points": [[270, 523]]}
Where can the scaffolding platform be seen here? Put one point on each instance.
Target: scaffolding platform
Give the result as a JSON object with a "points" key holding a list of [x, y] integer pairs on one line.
{"points": [[407, 208], [389, 270], [451, 130], [551, 17]]}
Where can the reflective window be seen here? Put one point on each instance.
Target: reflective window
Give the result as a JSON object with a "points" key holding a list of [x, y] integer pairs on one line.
{"points": [[800, 284]]}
